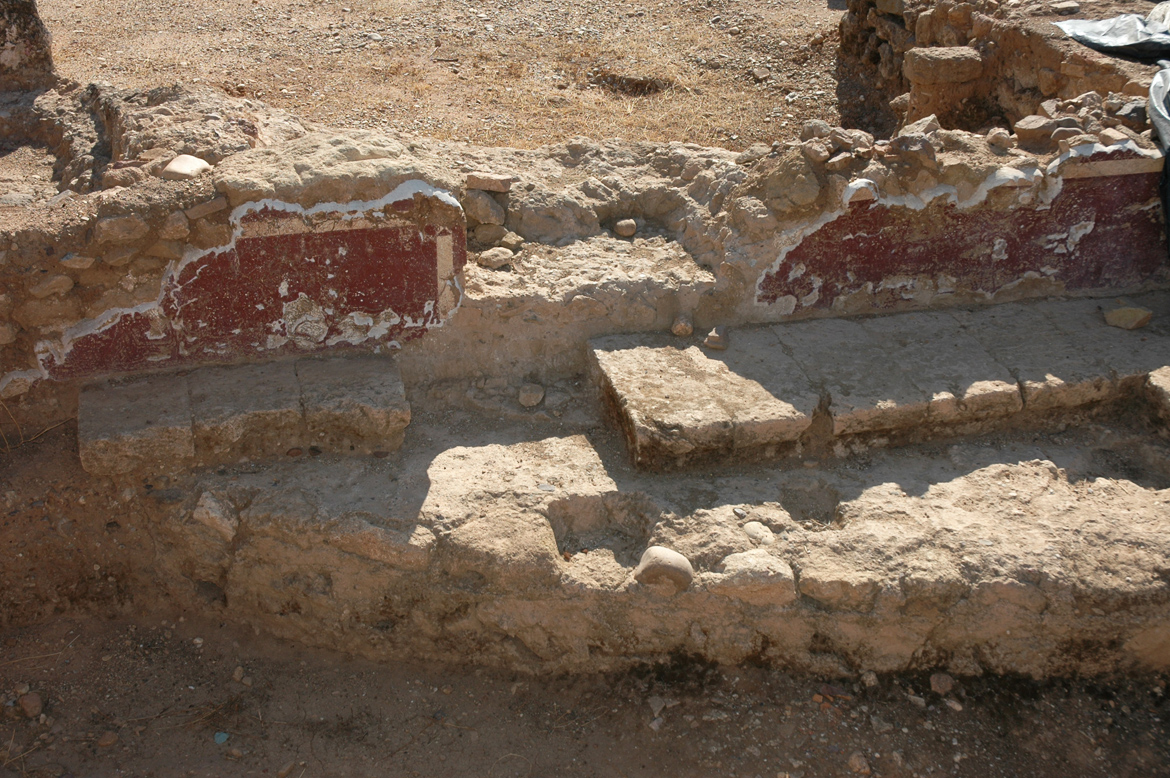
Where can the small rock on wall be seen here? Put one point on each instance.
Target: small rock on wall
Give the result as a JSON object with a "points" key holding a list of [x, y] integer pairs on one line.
{"points": [[26, 61]]}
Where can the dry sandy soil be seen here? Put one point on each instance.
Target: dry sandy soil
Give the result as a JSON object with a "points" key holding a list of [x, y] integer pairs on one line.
{"points": [[518, 74], [157, 697]]}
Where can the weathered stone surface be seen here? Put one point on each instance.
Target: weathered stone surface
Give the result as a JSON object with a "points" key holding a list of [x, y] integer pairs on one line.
{"points": [[490, 233], [214, 205], [756, 577], [530, 395], [354, 403], [677, 405], [184, 167], [664, 566], [53, 285], [482, 207], [176, 227], [26, 59], [135, 426], [1127, 356], [489, 182], [839, 589], [836, 354], [962, 380], [120, 229], [1034, 129], [942, 65], [626, 228], [246, 411], [1054, 370]]}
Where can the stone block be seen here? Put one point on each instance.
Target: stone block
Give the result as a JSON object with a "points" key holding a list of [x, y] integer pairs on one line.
{"points": [[353, 404], [962, 380], [942, 65], [1126, 354], [246, 411], [679, 405], [142, 425], [868, 391], [1053, 369], [1158, 390]]}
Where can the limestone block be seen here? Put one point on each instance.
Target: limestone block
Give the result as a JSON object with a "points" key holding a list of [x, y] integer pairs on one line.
{"points": [[120, 229], [942, 65], [353, 404], [683, 404], [868, 390], [489, 182], [246, 411], [184, 167], [1126, 354], [136, 426], [756, 577], [481, 207], [1054, 370], [954, 370], [839, 589]]}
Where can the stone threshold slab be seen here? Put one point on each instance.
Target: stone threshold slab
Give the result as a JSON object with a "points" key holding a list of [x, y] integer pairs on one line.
{"points": [[679, 403], [216, 415]]}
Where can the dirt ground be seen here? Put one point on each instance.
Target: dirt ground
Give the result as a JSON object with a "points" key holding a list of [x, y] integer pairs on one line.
{"points": [[162, 696], [523, 74]]}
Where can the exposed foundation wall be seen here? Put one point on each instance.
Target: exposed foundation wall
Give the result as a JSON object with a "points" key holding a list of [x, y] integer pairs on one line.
{"points": [[133, 269]]}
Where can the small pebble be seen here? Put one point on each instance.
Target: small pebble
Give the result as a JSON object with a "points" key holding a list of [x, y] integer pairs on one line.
{"points": [[107, 739], [858, 764], [626, 228], [238, 674], [869, 678], [954, 705], [941, 684], [31, 705]]}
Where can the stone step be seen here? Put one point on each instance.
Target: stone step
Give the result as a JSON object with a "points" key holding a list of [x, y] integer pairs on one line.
{"points": [[680, 404], [168, 422], [505, 546]]}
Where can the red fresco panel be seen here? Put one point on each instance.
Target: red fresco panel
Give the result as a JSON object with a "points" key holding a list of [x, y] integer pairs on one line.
{"points": [[281, 289], [872, 243]]}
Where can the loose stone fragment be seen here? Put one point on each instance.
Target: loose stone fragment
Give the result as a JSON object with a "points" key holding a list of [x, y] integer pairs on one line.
{"points": [[481, 207], [489, 182], [1034, 128], [31, 705], [490, 234], [626, 228], [1129, 318], [175, 227], [511, 241], [924, 126], [1112, 137], [869, 678], [858, 764], [999, 139], [107, 739], [682, 326], [531, 395], [206, 209], [942, 684], [759, 533], [495, 258], [662, 565], [816, 151], [185, 167], [717, 339], [77, 261], [815, 128], [1066, 8]]}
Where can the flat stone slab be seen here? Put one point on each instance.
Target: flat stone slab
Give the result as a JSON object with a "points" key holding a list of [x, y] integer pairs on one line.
{"points": [[868, 391], [680, 404], [168, 422], [125, 426], [961, 378], [353, 404], [246, 411]]}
